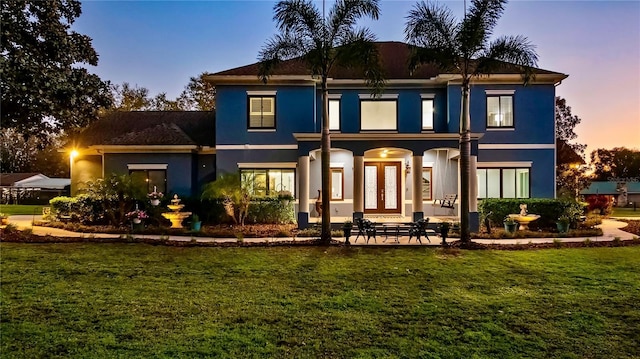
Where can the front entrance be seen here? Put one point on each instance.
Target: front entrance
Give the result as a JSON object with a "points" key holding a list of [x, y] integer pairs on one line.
{"points": [[381, 187]]}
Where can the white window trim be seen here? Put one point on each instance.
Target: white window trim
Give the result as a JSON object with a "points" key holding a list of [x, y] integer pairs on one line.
{"points": [[267, 165], [147, 166], [363, 96], [261, 93], [335, 96], [427, 96], [512, 164], [336, 164], [499, 92]]}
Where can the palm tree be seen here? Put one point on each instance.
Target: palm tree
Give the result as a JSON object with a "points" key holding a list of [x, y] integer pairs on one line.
{"points": [[323, 42], [464, 47]]}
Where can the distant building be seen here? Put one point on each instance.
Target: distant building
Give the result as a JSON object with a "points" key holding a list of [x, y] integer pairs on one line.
{"points": [[31, 188]]}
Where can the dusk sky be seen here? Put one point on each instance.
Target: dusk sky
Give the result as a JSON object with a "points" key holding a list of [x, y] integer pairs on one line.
{"points": [[160, 44]]}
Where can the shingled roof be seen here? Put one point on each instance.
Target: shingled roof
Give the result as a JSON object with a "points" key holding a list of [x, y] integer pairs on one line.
{"points": [[151, 128], [394, 57]]}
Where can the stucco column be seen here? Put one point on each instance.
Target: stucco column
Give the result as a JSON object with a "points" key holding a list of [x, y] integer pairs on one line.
{"points": [[358, 186], [416, 166], [303, 192], [474, 218]]}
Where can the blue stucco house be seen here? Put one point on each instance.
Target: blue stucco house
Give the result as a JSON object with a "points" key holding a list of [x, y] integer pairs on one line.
{"points": [[393, 155]]}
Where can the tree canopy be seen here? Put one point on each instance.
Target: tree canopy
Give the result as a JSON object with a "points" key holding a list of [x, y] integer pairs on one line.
{"points": [[566, 123], [43, 84], [618, 164]]}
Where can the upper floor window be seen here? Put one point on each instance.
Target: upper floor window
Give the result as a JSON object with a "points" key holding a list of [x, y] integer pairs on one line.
{"points": [[500, 110], [262, 112], [379, 114], [427, 114], [334, 114]]}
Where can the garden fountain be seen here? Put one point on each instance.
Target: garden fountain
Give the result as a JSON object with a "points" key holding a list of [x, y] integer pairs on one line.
{"points": [[523, 218], [176, 217]]}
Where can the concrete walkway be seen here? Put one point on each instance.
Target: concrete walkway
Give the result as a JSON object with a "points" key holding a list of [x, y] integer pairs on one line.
{"points": [[610, 229]]}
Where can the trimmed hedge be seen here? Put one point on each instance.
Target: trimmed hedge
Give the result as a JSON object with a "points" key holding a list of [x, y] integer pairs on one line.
{"points": [[549, 210]]}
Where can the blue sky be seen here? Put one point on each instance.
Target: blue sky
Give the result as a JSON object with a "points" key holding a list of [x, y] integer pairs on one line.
{"points": [[160, 44]]}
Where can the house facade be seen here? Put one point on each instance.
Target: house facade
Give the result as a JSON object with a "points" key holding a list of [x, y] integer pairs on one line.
{"points": [[391, 155]]}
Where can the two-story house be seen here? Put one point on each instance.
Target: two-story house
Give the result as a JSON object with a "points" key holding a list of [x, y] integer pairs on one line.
{"points": [[391, 155]]}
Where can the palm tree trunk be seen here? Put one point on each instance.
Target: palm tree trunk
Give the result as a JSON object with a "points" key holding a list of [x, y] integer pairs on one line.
{"points": [[465, 156], [325, 235]]}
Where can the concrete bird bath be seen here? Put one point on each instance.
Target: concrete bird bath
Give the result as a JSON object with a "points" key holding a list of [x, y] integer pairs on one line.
{"points": [[176, 217], [523, 218]]}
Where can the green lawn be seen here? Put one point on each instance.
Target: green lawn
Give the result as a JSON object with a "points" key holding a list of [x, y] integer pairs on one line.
{"points": [[626, 212], [12, 209], [140, 301]]}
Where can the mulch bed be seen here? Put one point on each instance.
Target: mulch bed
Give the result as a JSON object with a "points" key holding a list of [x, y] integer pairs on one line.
{"points": [[23, 237]]}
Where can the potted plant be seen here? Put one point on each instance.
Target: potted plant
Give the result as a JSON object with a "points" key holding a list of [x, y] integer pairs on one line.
{"points": [[510, 225], [346, 229], [137, 216], [155, 197], [196, 224], [563, 224], [4, 218]]}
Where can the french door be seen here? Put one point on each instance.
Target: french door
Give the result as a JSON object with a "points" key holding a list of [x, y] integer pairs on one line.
{"points": [[381, 187]]}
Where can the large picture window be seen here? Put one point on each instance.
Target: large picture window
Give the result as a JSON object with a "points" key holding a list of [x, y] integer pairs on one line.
{"points": [[262, 112], [268, 182], [503, 183], [378, 115], [500, 111]]}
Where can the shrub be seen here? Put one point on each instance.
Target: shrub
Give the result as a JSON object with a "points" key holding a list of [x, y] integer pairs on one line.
{"points": [[600, 203], [549, 210], [272, 210]]}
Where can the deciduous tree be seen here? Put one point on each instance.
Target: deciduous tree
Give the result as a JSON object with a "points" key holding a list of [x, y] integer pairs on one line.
{"points": [[43, 83], [618, 164]]}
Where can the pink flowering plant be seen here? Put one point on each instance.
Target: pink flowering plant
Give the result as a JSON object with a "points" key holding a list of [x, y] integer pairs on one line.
{"points": [[155, 195], [138, 213]]}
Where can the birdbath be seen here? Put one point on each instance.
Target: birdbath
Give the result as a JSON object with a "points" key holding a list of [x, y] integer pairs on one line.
{"points": [[523, 218], [176, 217]]}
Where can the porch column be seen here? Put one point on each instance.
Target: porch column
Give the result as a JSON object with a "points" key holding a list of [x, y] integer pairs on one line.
{"points": [[358, 187], [303, 192], [416, 164], [474, 217]]}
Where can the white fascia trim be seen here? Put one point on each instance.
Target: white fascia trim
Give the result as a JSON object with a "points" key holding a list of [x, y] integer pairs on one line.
{"points": [[504, 164], [256, 147], [273, 165], [147, 166], [334, 96], [389, 96], [500, 92], [336, 164], [261, 93], [516, 146], [427, 96], [384, 136]]}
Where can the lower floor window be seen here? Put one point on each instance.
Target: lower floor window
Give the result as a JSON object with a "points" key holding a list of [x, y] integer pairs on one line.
{"points": [[269, 182], [156, 180], [337, 184], [503, 183]]}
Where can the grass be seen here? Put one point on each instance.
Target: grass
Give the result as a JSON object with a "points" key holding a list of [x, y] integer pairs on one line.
{"points": [[625, 212], [139, 301], [12, 209]]}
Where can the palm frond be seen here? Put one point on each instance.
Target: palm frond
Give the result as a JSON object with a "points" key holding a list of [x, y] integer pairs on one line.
{"points": [[357, 49], [478, 25], [280, 47], [300, 17], [517, 50], [345, 13], [432, 26]]}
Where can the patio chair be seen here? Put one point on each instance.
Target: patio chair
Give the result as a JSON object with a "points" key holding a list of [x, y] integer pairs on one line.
{"points": [[419, 228], [366, 229]]}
